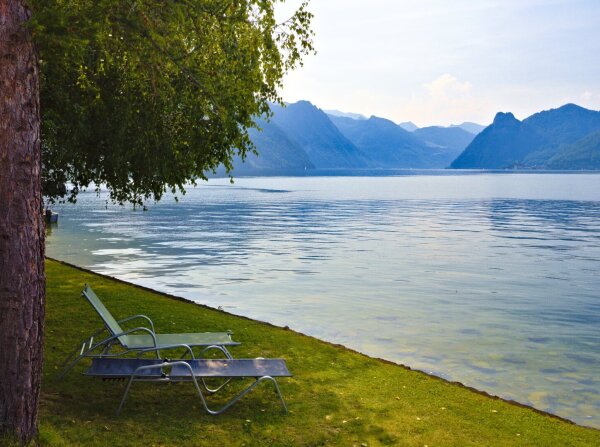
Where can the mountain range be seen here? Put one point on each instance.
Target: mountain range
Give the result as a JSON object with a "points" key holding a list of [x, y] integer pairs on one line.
{"points": [[564, 138], [302, 137]]}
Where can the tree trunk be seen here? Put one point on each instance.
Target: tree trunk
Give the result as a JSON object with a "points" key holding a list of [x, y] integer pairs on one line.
{"points": [[22, 279]]}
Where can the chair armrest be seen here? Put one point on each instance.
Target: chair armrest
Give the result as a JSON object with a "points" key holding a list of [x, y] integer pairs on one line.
{"points": [[220, 348], [133, 317]]}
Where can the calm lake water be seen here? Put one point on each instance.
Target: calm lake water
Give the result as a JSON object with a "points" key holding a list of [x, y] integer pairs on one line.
{"points": [[490, 279]]}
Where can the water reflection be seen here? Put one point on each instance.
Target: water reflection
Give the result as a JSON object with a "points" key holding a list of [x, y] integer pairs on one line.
{"points": [[489, 280]]}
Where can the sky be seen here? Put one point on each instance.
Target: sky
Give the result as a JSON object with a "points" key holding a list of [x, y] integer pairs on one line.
{"points": [[441, 62]]}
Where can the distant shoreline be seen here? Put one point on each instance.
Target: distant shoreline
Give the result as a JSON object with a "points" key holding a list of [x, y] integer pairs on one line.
{"points": [[369, 172]]}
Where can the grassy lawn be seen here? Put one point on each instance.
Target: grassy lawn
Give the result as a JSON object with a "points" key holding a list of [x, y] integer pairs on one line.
{"points": [[336, 397]]}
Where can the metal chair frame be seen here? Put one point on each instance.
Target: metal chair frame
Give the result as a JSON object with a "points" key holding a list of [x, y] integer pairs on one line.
{"points": [[88, 348], [164, 377]]}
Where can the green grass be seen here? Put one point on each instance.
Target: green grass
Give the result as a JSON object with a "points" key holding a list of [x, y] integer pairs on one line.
{"points": [[336, 397]]}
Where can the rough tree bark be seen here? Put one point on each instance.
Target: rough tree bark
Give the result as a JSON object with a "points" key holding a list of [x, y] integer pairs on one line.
{"points": [[22, 278]]}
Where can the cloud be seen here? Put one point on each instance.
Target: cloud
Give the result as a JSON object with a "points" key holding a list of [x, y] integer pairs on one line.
{"points": [[447, 86], [590, 99], [446, 100]]}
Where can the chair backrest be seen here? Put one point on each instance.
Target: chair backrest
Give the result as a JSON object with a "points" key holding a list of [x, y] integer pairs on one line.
{"points": [[110, 322]]}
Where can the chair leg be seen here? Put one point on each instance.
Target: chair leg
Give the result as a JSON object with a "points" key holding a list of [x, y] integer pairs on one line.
{"points": [[285, 409], [86, 341], [214, 390], [70, 362], [233, 400], [129, 382], [132, 379], [83, 352], [227, 354]]}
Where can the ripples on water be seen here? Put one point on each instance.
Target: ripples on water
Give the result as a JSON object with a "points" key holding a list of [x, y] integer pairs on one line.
{"points": [[492, 280]]}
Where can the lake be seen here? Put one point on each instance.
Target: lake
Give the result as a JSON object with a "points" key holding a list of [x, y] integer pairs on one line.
{"points": [[492, 280]]}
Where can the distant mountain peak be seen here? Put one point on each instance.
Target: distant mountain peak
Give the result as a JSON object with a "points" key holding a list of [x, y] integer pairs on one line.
{"points": [[505, 118], [470, 127], [571, 106], [554, 138], [374, 118], [313, 131], [302, 103], [384, 123], [409, 126], [354, 116], [388, 145]]}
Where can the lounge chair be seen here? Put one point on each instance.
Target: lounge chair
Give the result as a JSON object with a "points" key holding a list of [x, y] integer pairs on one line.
{"points": [[156, 370], [139, 339]]}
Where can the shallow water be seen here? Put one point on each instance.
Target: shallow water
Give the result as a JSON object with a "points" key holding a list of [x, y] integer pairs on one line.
{"points": [[489, 279]]}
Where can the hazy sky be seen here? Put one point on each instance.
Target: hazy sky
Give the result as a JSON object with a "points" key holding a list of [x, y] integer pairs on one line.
{"points": [[448, 61]]}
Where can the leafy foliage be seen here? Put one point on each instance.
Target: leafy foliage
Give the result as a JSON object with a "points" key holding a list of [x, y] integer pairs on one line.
{"points": [[145, 96]]}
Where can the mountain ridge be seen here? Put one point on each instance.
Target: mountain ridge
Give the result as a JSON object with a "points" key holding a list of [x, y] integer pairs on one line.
{"points": [[512, 144], [302, 137], [385, 143], [314, 132]]}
